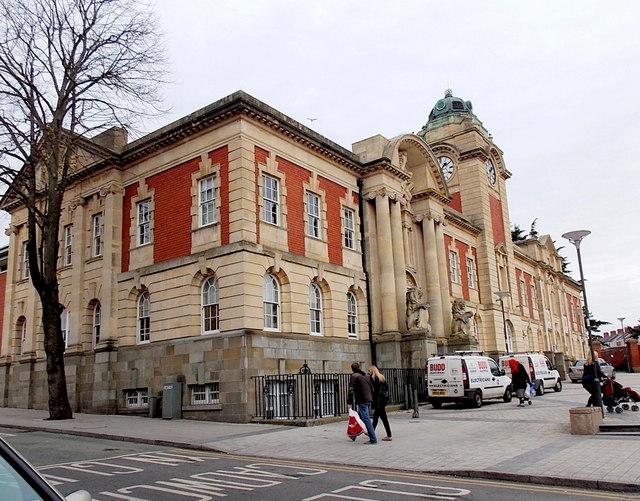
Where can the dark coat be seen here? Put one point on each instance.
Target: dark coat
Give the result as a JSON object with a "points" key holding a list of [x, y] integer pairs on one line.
{"points": [[587, 373], [380, 397], [520, 377], [360, 389]]}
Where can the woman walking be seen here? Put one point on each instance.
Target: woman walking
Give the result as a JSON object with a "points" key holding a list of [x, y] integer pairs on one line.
{"points": [[590, 371], [380, 400], [520, 380]]}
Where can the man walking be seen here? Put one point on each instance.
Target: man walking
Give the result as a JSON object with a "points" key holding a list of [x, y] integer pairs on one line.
{"points": [[360, 397]]}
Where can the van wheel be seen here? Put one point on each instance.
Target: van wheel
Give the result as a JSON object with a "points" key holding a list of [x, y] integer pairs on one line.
{"points": [[558, 386], [507, 397], [436, 404], [477, 399], [540, 389]]}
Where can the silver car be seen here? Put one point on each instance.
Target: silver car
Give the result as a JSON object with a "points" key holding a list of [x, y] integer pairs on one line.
{"points": [[575, 371]]}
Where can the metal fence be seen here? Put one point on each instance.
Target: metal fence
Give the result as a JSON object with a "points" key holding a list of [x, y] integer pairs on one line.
{"points": [[312, 396]]}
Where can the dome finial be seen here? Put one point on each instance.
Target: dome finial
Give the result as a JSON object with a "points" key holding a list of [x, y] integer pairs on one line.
{"points": [[448, 93]]}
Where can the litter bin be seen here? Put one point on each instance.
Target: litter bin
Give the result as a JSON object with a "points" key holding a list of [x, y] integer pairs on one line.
{"points": [[154, 407], [172, 401]]}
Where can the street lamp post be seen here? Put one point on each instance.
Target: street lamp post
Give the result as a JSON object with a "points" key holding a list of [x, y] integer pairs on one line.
{"points": [[501, 295], [575, 237], [624, 341]]}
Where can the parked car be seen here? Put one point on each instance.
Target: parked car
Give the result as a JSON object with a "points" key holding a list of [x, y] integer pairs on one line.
{"points": [[20, 481], [575, 371]]}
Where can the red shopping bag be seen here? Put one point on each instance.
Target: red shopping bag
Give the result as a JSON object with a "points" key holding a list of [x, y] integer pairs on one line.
{"points": [[355, 426]]}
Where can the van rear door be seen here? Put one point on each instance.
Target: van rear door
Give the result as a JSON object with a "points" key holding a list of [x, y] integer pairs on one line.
{"points": [[444, 377]]}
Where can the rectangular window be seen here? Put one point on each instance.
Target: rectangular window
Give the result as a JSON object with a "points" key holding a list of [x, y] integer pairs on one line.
{"points": [[523, 296], [349, 229], [278, 399], [313, 215], [270, 199], [324, 397], [471, 273], [64, 323], [204, 394], [453, 267], [68, 241], [144, 222], [207, 201], [97, 229], [138, 397], [25, 261], [534, 297]]}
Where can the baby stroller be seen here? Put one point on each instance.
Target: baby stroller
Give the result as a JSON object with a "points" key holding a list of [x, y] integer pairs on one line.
{"points": [[630, 399], [616, 398]]}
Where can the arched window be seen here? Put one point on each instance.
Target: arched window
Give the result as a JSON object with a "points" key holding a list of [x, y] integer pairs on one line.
{"points": [[315, 309], [144, 318], [352, 315], [64, 324], [271, 301], [97, 318], [210, 307]]}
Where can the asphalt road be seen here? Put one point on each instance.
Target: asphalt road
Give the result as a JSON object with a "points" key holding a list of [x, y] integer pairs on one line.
{"points": [[116, 470]]}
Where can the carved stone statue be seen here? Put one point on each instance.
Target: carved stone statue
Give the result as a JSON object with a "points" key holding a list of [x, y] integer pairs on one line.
{"points": [[415, 306], [462, 322]]}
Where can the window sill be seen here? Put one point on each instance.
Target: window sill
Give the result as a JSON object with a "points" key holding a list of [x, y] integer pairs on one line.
{"points": [[202, 407]]}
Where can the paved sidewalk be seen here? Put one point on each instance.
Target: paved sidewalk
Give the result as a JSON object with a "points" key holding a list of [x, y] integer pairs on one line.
{"points": [[499, 440]]}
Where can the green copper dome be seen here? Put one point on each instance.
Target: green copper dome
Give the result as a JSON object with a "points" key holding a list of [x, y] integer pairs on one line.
{"points": [[450, 104]]}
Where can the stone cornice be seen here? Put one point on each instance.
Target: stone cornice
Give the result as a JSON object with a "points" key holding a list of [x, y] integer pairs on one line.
{"points": [[384, 164], [431, 193], [235, 105], [456, 219]]}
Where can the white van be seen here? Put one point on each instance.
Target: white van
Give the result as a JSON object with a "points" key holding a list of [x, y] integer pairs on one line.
{"points": [[541, 370], [468, 378]]}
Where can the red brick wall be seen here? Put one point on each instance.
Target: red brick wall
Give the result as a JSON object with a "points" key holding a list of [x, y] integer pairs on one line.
{"points": [[3, 285], [296, 176], [172, 211], [260, 157], [221, 156], [129, 192], [333, 193], [456, 201], [497, 222], [462, 249]]}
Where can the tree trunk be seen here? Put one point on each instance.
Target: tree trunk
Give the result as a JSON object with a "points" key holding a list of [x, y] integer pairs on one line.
{"points": [[59, 407]]}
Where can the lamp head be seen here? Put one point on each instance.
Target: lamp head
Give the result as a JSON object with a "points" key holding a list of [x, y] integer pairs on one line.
{"points": [[502, 294], [576, 236]]}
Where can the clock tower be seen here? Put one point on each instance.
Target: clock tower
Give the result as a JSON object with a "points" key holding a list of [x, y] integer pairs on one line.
{"points": [[474, 169]]}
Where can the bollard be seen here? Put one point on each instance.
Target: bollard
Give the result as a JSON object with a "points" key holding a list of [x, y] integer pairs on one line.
{"points": [[416, 413], [585, 420]]}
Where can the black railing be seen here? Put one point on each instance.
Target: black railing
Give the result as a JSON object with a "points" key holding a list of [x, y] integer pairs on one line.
{"points": [[313, 396]]}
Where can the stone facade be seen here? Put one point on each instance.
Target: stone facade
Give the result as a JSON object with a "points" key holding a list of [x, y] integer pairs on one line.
{"points": [[236, 242]]}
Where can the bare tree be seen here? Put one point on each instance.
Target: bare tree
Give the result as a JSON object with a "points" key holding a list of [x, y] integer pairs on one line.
{"points": [[68, 69]]}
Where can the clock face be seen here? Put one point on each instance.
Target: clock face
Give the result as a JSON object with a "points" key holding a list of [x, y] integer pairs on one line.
{"points": [[446, 164], [491, 171]]}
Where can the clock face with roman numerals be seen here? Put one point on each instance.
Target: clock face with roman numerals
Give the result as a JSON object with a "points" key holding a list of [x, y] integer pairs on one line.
{"points": [[491, 171], [446, 164]]}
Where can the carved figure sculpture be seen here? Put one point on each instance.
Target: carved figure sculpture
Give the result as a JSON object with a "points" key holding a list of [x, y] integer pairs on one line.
{"points": [[415, 305], [462, 322]]}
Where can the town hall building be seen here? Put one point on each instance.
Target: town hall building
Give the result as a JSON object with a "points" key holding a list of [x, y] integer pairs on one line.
{"points": [[236, 242]]}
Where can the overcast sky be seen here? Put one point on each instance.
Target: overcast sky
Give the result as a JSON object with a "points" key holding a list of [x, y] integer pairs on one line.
{"points": [[555, 83]]}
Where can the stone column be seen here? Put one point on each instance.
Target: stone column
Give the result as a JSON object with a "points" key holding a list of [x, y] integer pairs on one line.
{"points": [[444, 276], [387, 270], [399, 264], [433, 277]]}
